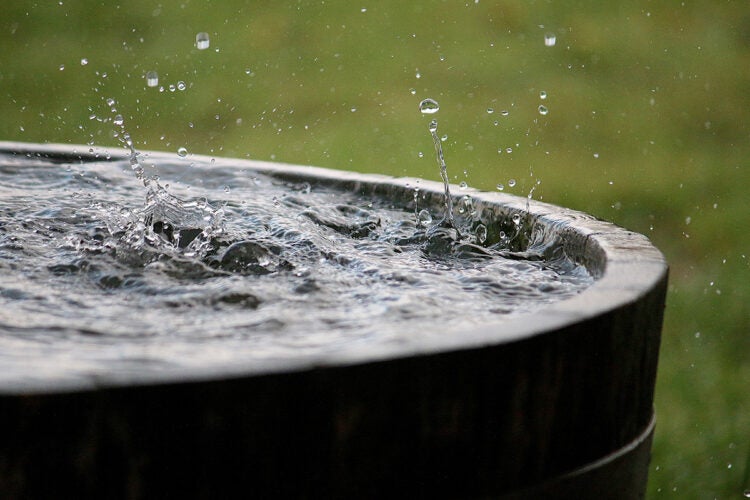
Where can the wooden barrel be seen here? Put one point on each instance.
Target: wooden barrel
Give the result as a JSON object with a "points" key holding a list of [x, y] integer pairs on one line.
{"points": [[554, 404]]}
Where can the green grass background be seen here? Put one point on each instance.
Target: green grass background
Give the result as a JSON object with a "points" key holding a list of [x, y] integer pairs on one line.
{"points": [[647, 127]]}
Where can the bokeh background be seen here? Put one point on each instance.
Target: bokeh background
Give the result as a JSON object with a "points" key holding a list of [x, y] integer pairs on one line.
{"points": [[646, 126]]}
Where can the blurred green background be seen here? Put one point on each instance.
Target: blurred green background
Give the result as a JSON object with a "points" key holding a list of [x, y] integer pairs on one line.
{"points": [[647, 127]]}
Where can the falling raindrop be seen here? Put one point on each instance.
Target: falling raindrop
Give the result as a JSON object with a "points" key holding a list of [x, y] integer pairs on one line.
{"points": [[543, 110], [181, 85], [412, 91], [490, 111], [429, 106], [152, 79], [500, 186], [202, 41], [84, 61], [182, 152], [542, 95], [550, 40], [511, 182], [504, 112], [118, 120]]}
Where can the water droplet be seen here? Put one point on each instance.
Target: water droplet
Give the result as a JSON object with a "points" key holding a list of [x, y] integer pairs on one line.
{"points": [[172, 88], [181, 86], [420, 154], [511, 182], [463, 185], [110, 101], [433, 126], [182, 152], [424, 218], [418, 75], [119, 120], [596, 155], [226, 189], [746, 493], [152, 79], [505, 112], [542, 95], [481, 233], [202, 41], [543, 110], [490, 111], [444, 138], [509, 150], [516, 219], [413, 91], [500, 186], [84, 61], [429, 106], [550, 39], [62, 67]]}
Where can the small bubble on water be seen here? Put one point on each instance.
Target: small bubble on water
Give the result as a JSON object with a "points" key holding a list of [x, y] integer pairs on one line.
{"points": [[550, 39], [424, 218], [182, 152], [181, 85], [543, 110], [152, 79], [84, 61], [511, 182], [429, 106], [500, 186], [542, 95], [202, 40], [118, 120], [481, 233]]}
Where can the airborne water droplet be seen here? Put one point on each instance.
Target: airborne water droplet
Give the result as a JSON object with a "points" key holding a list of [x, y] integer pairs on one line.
{"points": [[550, 40], [500, 187], [543, 110], [481, 233], [424, 218], [118, 120], [511, 182], [433, 126], [181, 85], [490, 111], [429, 106], [84, 61], [152, 79], [202, 40], [182, 152], [542, 95], [516, 219]]}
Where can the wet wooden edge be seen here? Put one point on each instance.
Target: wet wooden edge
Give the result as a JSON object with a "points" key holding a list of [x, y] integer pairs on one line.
{"points": [[626, 264]]}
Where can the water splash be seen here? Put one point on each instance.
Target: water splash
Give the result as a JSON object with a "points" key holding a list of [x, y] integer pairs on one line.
{"points": [[448, 219]]}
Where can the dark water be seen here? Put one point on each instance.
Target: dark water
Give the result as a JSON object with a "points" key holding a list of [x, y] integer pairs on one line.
{"points": [[220, 265]]}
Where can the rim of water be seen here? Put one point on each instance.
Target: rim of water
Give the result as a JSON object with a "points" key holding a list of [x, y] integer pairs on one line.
{"points": [[625, 266]]}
